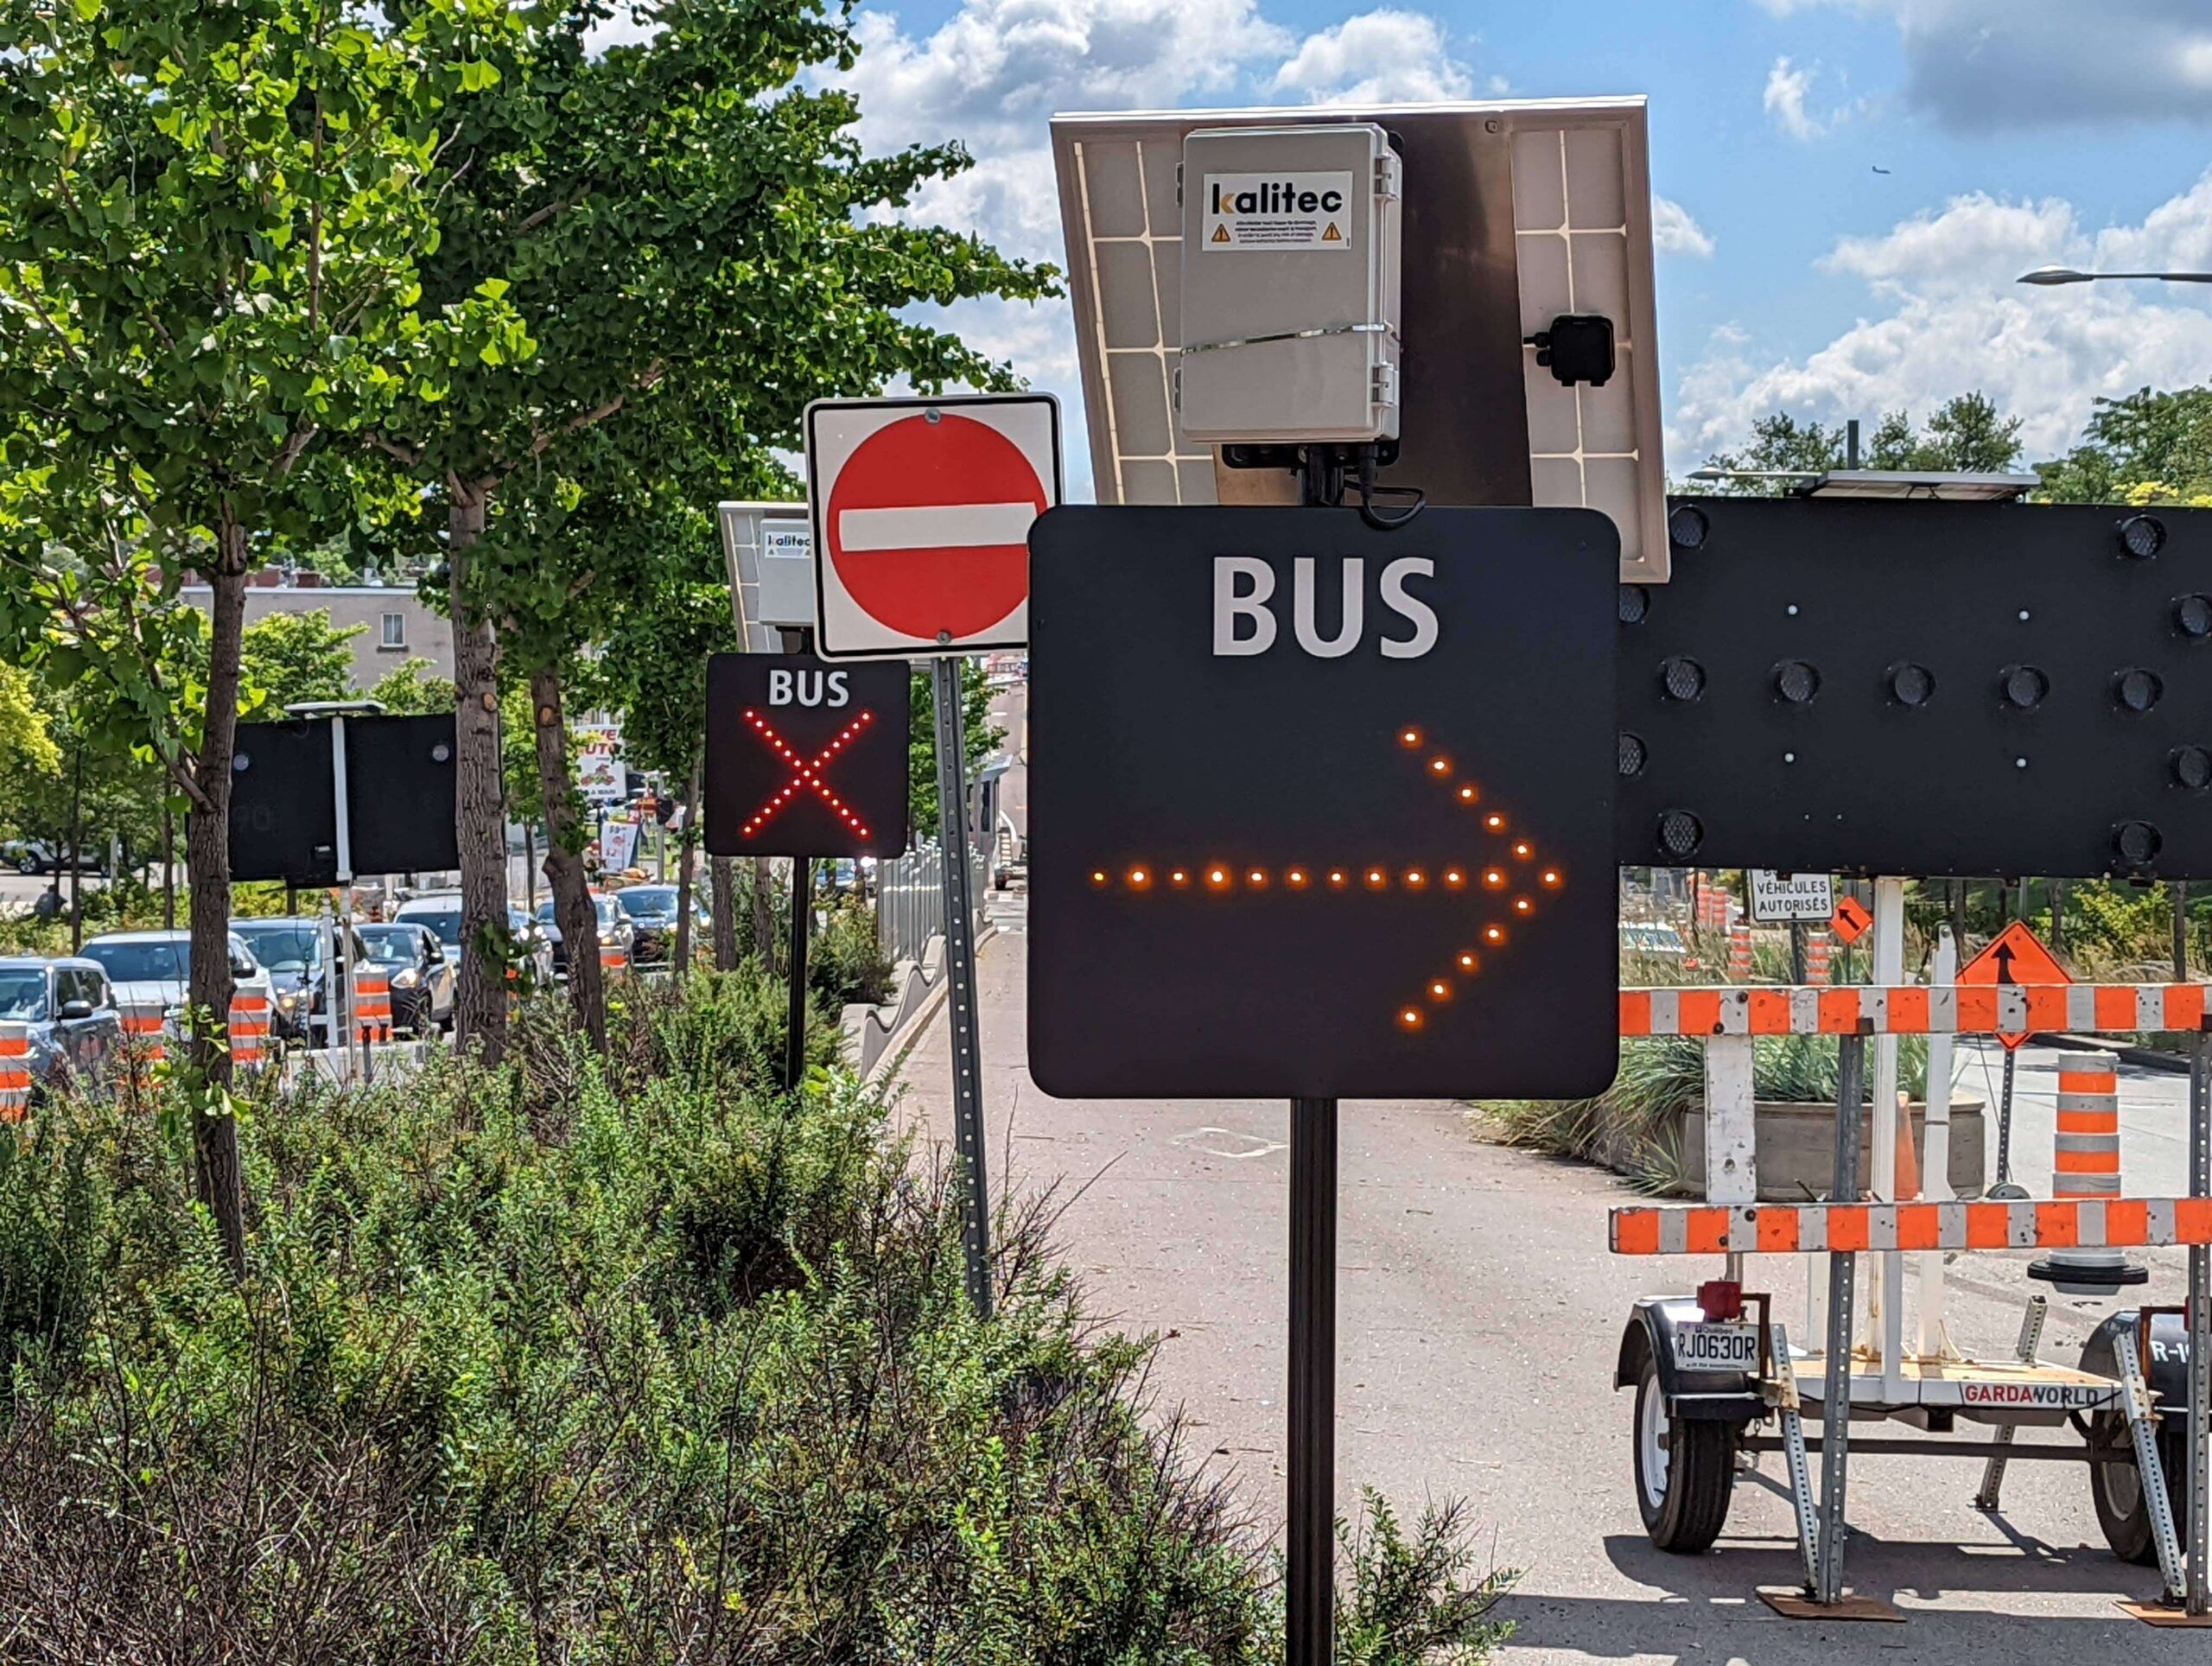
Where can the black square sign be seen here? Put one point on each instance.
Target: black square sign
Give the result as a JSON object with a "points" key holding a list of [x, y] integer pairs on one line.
{"points": [[1322, 810], [805, 758]]}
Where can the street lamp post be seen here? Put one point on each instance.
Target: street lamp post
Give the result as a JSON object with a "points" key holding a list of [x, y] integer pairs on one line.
{"points": [[2050, 276]]}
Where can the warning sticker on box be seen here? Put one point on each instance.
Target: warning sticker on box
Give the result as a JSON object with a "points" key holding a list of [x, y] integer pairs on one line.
{"points": [[1273, 213]]}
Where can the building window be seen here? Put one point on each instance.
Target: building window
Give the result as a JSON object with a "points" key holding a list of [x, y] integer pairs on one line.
{"points": [[395, 630]]}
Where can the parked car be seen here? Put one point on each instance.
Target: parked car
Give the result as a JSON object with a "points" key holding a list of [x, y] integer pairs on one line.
{"points": [[651, 912], [38, 856], [1652, 940], [289, 948], [440, 911], [422, 976], [76, 1029], [156, 965], [615, 931]]}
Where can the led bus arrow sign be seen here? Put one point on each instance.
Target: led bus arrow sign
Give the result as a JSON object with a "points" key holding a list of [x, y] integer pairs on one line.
{"points": [[1322, 810]]}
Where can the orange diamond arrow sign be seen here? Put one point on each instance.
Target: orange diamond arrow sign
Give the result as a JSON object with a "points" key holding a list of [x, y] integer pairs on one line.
{"points": [[2016, 955], [1850, 921]]}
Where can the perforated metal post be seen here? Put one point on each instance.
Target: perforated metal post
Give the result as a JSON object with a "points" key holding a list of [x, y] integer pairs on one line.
{"points": [[1843, 1273], [968, 1133], [1993, 1474]]}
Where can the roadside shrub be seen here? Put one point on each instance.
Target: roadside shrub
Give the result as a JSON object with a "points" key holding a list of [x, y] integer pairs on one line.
{"points": [[1633, 1126], [846, 962], [631, 1359]]}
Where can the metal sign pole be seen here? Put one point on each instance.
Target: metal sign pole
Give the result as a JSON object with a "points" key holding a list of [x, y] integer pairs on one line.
{"points": [[802, 928], [1310, 1591], [1311, 1584], [1843, 1273], [960, 979], [2200, 1333], [345, 979]]}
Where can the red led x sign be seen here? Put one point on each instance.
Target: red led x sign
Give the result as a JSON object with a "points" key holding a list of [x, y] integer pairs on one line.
{"points": [[807, 774], [805, 758], [1503, 876]]}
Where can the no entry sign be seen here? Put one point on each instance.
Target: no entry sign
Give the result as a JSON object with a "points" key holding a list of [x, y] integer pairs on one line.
{"points": [[1318, 810], [804, 758], [922, 510]]}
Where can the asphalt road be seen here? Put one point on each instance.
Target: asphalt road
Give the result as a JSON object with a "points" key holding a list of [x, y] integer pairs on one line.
{"points": [[1479, 1316], [2153, 1118]]}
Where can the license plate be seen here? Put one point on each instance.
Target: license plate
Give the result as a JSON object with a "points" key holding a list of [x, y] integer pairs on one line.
{"points": [[1717, 1348]]}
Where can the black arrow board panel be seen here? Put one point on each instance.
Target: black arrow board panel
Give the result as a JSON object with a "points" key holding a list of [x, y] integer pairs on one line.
{"points": [[1321, 810], [805, 758], [1920, 689]]}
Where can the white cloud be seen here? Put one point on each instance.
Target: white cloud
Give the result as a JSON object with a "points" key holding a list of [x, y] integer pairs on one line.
{"points": [[1984, 64], [1951, 318], [1383, 56], [1787, 89], [1674, 232]]}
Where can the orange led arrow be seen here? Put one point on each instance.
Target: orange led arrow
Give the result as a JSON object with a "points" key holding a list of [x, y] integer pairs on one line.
{"points": [[1515, 875]]}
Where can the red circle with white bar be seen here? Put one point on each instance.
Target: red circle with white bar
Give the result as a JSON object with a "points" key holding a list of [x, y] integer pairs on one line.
{"points": [[922, 510]]}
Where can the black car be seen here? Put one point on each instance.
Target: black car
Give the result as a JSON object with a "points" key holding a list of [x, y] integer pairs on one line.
{"points": [[76, 1030], [651, 912], [290, 948], [414, 959]]}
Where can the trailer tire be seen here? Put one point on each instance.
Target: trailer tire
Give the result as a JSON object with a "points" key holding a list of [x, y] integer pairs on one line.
{"points": [[1682, 1490], [2116, 1482]]}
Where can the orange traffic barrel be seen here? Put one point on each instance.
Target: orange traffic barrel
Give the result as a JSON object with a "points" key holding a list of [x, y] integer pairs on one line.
{"points": [[2085, 1164]]}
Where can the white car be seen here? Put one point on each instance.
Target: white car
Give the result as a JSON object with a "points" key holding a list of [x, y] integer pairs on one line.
{"points": [[148, 966]]}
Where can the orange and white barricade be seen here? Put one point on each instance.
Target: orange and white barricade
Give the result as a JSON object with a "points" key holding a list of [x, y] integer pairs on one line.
{"points": [[14, 1073], [1740, 950], [371, 1006], [249, 1031], [1858, 1373]]}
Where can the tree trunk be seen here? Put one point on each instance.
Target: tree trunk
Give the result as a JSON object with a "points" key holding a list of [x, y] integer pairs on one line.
{"points": [[208, 855], [564, 860], [725, 908], [168, 866], [2058, 917], [764, 917], [683, 874], [480, 1013]]}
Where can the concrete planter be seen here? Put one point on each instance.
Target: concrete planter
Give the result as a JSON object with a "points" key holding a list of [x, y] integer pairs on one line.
{"points": [[1796, 1148]]}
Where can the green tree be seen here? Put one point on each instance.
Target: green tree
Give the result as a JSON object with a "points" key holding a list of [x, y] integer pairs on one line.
{"points": [[286, 657], [208, 226], [2145, 447], [688, 222], [1965, 435], [975, 725], [411, 688], [25, 728]]}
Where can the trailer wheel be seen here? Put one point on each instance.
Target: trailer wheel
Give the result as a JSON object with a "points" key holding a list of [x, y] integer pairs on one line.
{"points": [[2116, 1482], [1682, 1484]]}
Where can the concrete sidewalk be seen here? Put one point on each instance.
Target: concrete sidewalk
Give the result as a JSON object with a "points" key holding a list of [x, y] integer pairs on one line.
{"points": [[1479, 1313]]}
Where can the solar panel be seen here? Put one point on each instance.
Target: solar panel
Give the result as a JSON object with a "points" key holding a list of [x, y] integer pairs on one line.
{"points": [[1515, 213]]}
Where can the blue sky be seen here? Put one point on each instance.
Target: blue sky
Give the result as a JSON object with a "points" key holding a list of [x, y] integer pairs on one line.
{"points": [[2015, 132]]}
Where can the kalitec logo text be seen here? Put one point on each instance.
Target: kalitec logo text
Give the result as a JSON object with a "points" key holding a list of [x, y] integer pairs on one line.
{"points": [[1274, 197]]}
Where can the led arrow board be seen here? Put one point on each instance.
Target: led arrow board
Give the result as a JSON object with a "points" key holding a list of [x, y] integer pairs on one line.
{"points": [[804, 758], [1321, 811]]}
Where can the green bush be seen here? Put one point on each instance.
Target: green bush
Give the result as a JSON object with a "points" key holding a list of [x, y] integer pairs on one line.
{"points": [[596, 1359], [847, 963], [1633, 1126]]}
